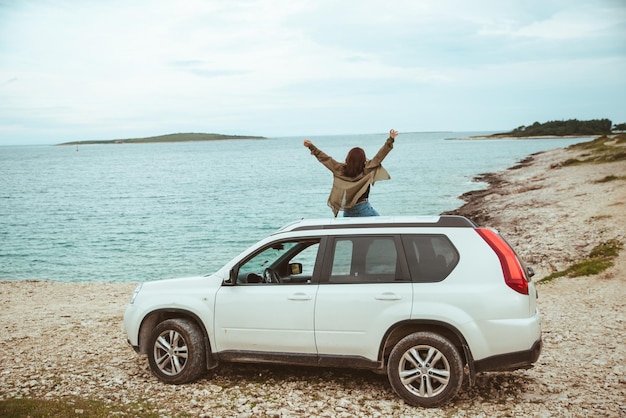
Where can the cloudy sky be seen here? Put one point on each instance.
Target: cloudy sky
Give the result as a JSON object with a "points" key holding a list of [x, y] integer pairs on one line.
{"points": [[96, 69]]}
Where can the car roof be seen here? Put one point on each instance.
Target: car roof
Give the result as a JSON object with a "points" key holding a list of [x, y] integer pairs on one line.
{"points": [[447, 221]]}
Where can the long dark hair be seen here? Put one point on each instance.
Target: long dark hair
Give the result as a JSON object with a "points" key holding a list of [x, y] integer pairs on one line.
{"points": [[355, 162]]}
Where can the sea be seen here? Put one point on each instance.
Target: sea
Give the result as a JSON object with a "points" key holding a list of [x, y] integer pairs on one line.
{"points": [[142, 212]]}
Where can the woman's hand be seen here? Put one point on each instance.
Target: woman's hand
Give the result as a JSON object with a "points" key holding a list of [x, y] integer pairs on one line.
{"points": [[393, 134], [307, 143]]}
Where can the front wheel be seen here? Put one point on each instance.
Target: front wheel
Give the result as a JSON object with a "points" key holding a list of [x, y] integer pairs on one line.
{"points": [[177, 351], [425, 369]]}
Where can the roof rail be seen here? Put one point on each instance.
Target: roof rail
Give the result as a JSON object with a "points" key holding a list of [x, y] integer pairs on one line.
{"points": [[445, 221]]}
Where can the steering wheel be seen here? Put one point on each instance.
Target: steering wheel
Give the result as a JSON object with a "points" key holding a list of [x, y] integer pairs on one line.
{"points": [[270, 276]]}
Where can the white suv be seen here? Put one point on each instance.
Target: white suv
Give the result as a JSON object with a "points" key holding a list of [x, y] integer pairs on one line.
{"points": [[417, 298]]}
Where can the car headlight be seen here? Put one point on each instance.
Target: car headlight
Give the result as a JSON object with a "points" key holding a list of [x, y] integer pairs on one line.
{"points": [[135, 293]]}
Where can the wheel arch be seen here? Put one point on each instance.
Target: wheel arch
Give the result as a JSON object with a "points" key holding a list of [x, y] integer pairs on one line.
{"points": [[404, 328], [151, 320]]}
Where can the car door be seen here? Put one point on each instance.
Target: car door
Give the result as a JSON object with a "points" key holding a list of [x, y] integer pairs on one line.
{"points": [[262, 314], [365, 288]]}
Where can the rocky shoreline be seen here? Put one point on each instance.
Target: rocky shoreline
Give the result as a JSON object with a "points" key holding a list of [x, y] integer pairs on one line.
{"points": [[65, 340], [552, 213]]}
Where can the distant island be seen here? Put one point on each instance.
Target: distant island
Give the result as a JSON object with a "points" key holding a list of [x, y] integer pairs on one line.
{"points": [[181, 137], [572, 127]]}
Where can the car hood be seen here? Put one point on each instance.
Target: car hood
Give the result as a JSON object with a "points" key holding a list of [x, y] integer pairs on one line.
{"points": [[186, 284]]}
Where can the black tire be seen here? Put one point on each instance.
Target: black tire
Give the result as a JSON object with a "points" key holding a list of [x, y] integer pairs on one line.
{"points": [[176, 352], [425, 369]]}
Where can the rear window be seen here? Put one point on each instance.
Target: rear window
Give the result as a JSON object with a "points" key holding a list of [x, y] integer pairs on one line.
{"points": [[431, 258]]}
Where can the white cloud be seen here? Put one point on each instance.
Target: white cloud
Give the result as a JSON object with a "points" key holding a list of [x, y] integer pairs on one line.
{"points": [[95, 69], [569, 24]]}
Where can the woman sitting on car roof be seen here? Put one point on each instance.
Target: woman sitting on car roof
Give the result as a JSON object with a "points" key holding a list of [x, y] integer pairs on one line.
{"points": [[353, 179]]}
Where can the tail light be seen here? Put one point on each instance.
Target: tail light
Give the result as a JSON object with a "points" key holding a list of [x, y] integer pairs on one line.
{"points": [[514, 275]]}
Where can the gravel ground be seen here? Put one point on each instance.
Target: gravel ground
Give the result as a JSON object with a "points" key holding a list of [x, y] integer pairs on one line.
{"points": [[66, 339]]}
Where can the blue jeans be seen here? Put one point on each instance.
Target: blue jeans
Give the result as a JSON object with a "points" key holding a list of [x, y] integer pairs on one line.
{"points": [[360, 209]]}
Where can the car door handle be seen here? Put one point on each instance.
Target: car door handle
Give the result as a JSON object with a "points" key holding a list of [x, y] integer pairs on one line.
{"points": [[299, 296], [387, 296]]}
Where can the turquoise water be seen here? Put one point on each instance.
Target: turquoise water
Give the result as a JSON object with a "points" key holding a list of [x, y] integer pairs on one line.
{"points": [[129, 213]]}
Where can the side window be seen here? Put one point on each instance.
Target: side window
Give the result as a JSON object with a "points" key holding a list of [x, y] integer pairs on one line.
{"points": [[431, 258], [282, 262], [381, 257], [342, 259], [365, 260]]}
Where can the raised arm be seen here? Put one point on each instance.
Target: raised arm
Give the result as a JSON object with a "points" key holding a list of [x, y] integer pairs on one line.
{"points": [[322, 157], [384, 150]]}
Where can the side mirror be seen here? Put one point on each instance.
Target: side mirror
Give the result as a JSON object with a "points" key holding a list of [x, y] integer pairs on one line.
{"points": [[295, 268], [232, 277]]}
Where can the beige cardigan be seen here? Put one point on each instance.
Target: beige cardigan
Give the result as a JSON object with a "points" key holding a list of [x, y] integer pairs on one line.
{"points": [[346, 190]]}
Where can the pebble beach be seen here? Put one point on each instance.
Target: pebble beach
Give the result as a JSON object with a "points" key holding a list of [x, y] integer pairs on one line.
{"points": [[66, 341]]}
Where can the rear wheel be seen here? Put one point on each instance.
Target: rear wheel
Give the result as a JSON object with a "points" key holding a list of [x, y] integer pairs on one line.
{"points": [[425, 369], [177, 351]]}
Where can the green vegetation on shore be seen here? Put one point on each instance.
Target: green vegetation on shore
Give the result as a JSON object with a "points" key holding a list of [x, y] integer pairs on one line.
{"points": [[72, 407], [600, 150], [180, 137], [571, 127], [600, 258]]}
